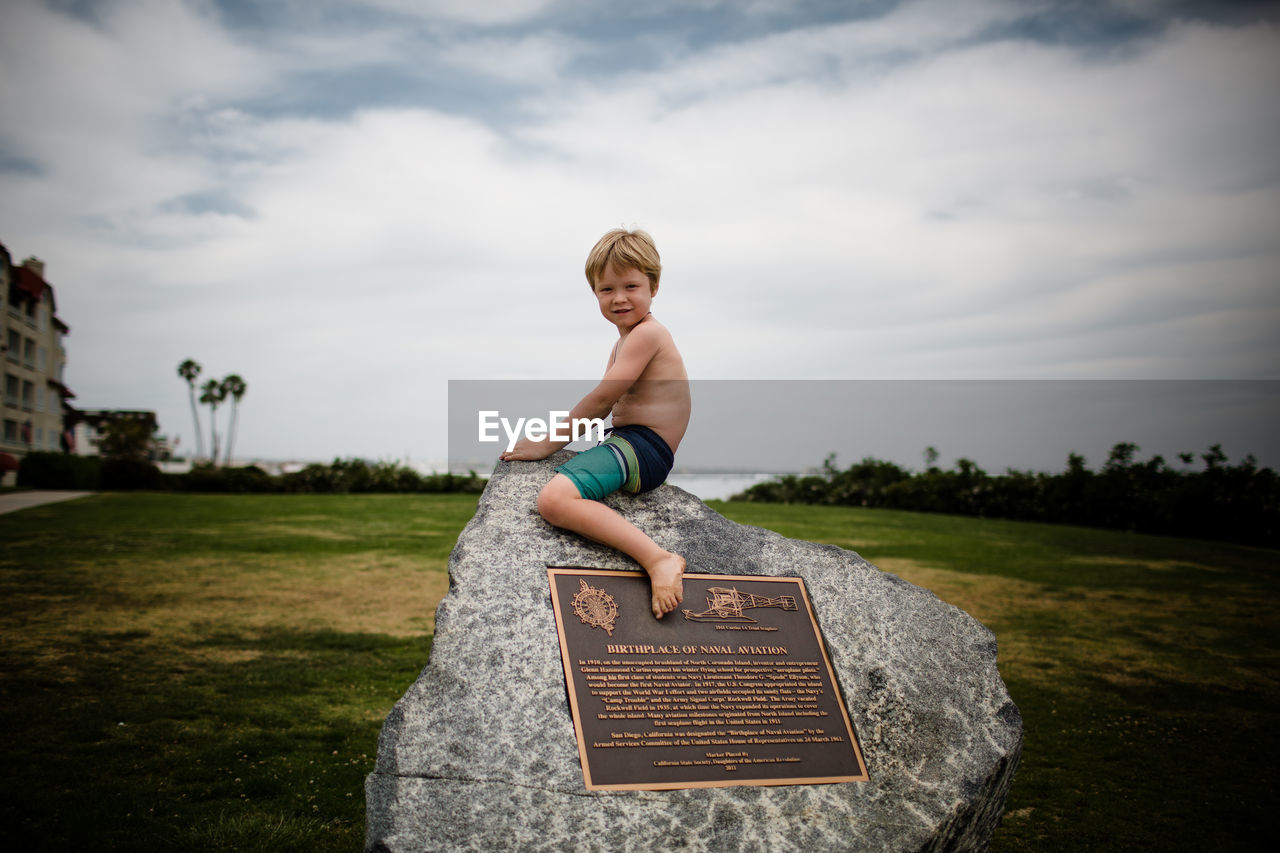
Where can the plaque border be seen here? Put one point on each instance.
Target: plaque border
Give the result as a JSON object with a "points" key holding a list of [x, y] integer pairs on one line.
{"points": [[554, 572]]}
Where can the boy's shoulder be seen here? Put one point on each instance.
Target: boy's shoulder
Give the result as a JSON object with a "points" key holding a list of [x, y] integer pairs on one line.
{"points": [[647, 346], [653, 338], [652, 329]]}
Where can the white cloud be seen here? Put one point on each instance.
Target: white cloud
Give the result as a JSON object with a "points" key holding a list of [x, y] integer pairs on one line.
{"points": [[67, 83], [534, 60], [486, 13], [889, 198]]}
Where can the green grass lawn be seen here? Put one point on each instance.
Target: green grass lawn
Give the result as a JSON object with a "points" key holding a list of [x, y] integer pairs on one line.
{"points": [[199, 672], [1145, 668]]}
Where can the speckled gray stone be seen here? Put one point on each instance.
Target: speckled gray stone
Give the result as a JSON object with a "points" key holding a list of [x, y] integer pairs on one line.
{"points": [[465, 765]]}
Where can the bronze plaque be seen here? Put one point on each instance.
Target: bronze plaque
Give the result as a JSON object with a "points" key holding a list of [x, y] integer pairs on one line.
{"points": [[733, 688]]}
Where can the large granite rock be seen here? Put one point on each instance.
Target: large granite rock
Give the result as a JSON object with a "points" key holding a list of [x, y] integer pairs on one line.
{"points": [[480, 753]]}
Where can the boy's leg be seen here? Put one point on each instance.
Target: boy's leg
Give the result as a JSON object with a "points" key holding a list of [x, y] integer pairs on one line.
{"points": [[561, 505]]}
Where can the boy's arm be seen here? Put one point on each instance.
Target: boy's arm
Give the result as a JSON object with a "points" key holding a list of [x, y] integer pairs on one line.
{"points": [[633, 356]]}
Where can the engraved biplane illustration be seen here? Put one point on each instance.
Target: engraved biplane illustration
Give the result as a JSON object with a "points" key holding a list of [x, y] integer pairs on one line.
{"points": [[725, 604]]}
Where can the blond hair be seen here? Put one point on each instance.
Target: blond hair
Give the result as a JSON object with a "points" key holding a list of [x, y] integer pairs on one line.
{"points": [[624, 250]]}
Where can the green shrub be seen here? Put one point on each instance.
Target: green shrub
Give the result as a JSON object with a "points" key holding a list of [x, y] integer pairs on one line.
{"points": [[1239, 503], [314, 478], [124, 475], [360, 477], [206, 478], [46, 470], [356, 476]]}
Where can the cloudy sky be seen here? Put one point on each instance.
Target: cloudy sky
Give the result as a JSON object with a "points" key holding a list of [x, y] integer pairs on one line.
{"points": [[351, 203]]}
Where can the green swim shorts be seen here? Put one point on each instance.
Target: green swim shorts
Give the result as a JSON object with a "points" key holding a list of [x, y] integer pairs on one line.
{"points": [[633, 458]]}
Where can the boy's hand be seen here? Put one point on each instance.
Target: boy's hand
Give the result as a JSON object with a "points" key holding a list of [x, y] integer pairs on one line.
{"points": [[529, 451]]}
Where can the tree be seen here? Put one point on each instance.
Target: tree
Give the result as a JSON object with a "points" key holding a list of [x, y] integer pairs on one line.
{"points": [[1121, 457], [1214, 459], [212, 394], [189, 370], [127, 437], [234, 386]]}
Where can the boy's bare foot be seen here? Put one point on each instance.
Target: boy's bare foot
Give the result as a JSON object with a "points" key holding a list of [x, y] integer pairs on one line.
{"points": [[666, 579]]}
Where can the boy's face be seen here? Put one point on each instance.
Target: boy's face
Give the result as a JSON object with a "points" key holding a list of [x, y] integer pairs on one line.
{"points": [[624, 296]]}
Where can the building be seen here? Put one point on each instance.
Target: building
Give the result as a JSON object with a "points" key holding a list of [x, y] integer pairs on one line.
{"points": [[35, 414]]}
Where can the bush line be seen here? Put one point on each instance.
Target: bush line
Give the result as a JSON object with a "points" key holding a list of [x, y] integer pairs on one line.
{"points": [[1239, 503], [63, 471]]}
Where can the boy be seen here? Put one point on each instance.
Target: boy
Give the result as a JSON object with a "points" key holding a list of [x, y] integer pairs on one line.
{"points": [[646, 389]]}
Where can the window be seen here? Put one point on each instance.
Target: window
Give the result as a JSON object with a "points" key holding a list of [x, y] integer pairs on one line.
{"points": [[40, 398], [10, 430], [39, 436], [29, 353], [12, 388], [42, 358], [28, 394], [15, 347]]}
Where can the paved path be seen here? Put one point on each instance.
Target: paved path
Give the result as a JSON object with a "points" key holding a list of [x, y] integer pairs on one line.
{"points": [[13, 501]]}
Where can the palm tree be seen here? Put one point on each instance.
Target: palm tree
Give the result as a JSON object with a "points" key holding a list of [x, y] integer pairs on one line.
{"points": [[213, 395], [189, 370], [234, 386]]}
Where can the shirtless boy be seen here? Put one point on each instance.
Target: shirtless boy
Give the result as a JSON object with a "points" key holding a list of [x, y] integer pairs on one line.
{"points": [[646, 389]]}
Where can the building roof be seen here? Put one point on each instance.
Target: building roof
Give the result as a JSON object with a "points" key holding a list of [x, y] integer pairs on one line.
{"points": [[31, 283], [61, 389]]}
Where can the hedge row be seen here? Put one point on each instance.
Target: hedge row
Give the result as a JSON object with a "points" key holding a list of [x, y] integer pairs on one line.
{"points": [[64, 471], [1235, 503]]}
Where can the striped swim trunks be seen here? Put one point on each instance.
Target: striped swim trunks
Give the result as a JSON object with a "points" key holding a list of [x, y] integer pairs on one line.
{"points": [[633, 458]]}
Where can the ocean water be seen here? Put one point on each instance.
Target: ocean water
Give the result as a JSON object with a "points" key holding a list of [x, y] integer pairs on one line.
{"points": [[716, 487]]}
